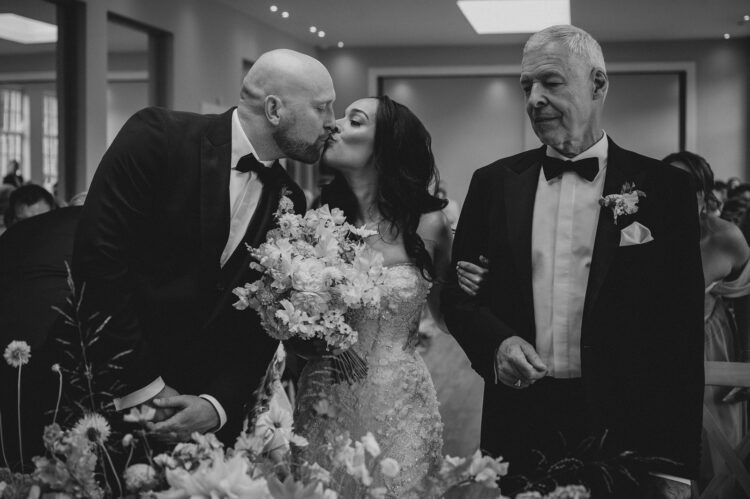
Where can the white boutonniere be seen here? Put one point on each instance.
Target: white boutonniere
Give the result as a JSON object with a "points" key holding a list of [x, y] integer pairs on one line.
{"points": [[625, 203]]}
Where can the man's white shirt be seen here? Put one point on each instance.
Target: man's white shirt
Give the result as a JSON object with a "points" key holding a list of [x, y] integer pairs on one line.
{"points": [[566, 214], [244, 194]]}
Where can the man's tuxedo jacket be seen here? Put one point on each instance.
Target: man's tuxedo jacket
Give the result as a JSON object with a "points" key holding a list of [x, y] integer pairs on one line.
{"points": [[154, 225], [642, 333]]}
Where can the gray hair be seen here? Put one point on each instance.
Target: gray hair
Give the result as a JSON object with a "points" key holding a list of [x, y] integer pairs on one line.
{"points": [[576, 40]]}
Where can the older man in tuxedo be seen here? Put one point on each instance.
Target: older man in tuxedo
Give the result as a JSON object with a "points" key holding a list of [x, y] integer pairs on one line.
{"points": [[590, 317], [162, 241]]}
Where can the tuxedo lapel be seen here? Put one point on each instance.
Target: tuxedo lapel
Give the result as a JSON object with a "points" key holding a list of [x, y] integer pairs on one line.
{"points": [[607, 240], [520, 193], [216, 153], [235, 270]]}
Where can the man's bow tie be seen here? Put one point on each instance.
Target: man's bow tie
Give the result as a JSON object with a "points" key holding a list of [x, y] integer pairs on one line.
{"points": [[249, 163], [586, 168]]}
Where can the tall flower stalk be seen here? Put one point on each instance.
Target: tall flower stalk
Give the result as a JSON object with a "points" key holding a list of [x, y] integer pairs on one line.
{"points": [[56, 369], [2, 442], [17, 354]]}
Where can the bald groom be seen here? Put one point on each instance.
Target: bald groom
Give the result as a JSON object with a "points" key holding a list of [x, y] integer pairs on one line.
{"points": [[161, 242]]}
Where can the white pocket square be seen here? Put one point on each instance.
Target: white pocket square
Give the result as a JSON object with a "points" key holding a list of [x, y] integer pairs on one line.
{"points": [[635, 233]]}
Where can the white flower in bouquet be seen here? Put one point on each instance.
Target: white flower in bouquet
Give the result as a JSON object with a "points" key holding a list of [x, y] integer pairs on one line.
{"points": [[389, 467], [312, 274], [317, 472], [140, 477], [371, 445]]}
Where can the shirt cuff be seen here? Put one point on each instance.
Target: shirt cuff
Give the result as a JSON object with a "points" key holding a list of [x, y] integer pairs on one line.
{"points": [[672, 478], [219, 410], [141, 396]]}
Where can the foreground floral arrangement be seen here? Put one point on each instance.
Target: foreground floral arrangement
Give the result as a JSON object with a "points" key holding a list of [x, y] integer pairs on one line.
{"points": [[77, 463]]}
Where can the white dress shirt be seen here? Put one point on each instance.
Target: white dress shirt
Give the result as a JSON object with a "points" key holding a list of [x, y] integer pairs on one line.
{"points": [[566, 214], [244, 193]]}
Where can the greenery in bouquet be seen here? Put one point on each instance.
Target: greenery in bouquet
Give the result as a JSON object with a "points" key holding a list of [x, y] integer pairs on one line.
{"points": [[315, 271]]}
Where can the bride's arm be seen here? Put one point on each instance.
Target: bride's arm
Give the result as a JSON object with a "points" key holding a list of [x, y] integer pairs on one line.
{"points": [[434, 229]]}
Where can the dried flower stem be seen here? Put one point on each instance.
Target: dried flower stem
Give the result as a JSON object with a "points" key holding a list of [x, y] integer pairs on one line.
{"points": [[2, 443], [18, 406], [59, 396], [112, 466]]}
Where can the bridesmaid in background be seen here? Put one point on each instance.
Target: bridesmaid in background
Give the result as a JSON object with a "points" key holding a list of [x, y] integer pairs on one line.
{"points": [[725, 253]]}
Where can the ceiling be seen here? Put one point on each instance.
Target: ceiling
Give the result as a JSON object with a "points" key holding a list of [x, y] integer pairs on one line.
{"points": [[439, 22]]}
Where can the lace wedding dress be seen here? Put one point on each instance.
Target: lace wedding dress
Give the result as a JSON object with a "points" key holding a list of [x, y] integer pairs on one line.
{"points": [[395, 401]]}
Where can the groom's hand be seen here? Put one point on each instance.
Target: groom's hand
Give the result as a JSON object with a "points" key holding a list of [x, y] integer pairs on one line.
{"points": [[517, 360], [163, 413], [193, 414]]}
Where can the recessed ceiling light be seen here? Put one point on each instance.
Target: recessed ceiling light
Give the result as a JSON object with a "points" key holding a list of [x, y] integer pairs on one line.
{"points": [[514, 16], [313, 29], [25, 30], [727, 36], [340, 45], [285, 14], [321, 33], [746, 17], [274, 8]]}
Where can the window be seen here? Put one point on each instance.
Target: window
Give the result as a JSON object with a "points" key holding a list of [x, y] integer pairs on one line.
{"points": [[14, 111], [49, 140]]}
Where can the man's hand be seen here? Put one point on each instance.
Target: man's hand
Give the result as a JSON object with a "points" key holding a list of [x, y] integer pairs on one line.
{"points": [[163, 413], [516, 361], [192, 414]]}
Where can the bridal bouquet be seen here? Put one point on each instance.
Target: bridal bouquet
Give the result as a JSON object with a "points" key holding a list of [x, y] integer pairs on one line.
{"points": [[315, 271]]}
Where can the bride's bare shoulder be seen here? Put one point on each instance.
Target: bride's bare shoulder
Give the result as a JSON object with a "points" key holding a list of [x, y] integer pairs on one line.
{"points": [[434, 226]]}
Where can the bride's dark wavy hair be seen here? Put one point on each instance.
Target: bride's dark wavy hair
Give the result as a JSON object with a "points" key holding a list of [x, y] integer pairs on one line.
{"points": [[407, 178]]}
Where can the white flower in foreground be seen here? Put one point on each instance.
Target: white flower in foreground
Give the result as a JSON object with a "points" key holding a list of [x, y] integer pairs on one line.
{"points": [[142, 414], [94, 427], [389, 467], [216, 478], [165, 461], [55, 368], [127, 440], [371, 445], [17, 353], [487, 470], [317, 472], [140, 477]]}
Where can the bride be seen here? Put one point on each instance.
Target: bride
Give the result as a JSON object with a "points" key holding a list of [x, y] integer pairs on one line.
{"points": [[382, 154]]}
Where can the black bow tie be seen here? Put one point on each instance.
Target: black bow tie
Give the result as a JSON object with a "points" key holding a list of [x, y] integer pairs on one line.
{"points": [[586, 168], [250, 163]]}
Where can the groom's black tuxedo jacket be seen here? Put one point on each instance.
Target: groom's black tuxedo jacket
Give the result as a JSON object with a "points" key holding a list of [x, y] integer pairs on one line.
{"points": [[642, 333], [148, 244]]}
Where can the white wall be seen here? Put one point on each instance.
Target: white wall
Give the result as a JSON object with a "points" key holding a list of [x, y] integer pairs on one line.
{"points": [[722, 76], [210, 43]]}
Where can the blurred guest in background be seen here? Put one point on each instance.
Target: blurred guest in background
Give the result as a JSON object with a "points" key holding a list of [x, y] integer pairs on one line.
{"points": [[734, 210], [724, 253], [733, 183], [742, 191], [5, 190], [27, 201], [33, 273], [721, 191], [14, 176]]}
